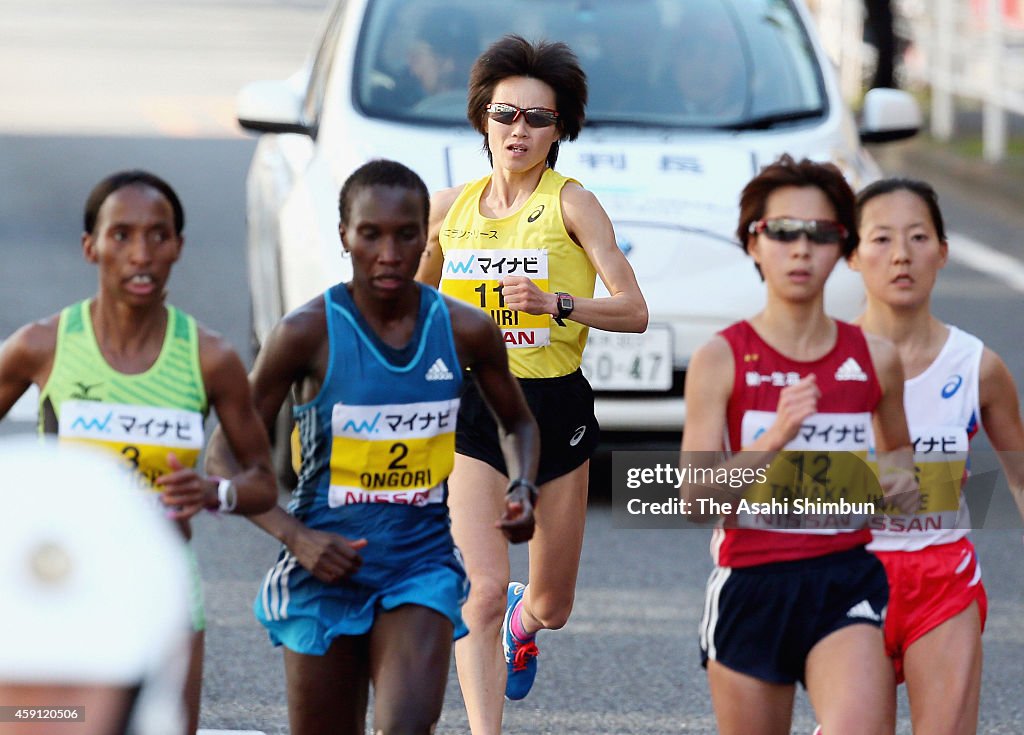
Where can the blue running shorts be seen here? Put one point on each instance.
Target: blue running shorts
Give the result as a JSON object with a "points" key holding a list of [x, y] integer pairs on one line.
{"points": [[410, 559]]}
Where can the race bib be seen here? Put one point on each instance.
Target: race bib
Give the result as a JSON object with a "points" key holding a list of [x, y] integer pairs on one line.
{"points": [[940, 463], [392, 453], [821, 481], [142, 435], [474, 276]]}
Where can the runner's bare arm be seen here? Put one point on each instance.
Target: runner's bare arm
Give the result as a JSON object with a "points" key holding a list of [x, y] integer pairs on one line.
{"points": [[1000, 415], [708, 387], [894, 449], [624, 309], [709, 384], [228, 393], [481, 349], [429, 271], [26, 358], [294, 354]]}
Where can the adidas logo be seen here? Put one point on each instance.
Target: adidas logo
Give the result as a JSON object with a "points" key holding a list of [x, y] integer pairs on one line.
{"points": [[439, 371], [863, 609], [850, 370]]}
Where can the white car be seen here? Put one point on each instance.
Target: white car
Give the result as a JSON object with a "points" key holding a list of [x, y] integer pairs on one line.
{"points": [[688, 99]]}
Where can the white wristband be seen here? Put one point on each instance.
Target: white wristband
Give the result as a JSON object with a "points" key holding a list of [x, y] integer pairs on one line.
{"points": [[227, 495]]}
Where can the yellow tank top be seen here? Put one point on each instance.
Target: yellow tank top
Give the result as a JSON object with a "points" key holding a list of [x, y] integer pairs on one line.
{"points": [[533, 242]]}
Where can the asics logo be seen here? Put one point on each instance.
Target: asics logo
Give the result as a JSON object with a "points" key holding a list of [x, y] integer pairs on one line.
{"points": [[535, 214], [578, 436], [439, 371], [952, 386]]}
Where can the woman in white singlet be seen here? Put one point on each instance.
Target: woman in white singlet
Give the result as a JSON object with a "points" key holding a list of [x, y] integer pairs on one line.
{"points": [[953, 384]]}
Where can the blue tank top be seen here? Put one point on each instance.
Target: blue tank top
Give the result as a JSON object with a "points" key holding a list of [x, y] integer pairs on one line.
{"points": [[381, 430]]}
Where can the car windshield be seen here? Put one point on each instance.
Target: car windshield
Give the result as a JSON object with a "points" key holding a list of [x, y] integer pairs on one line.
{"points": [[728, 64]]}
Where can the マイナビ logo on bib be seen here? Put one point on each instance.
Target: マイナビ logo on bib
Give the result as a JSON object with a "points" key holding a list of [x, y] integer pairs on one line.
{"points": [[850, 370], [439, 371]]}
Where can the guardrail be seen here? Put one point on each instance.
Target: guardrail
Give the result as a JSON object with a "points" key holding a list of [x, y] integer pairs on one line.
{"points": [[961, 51]]}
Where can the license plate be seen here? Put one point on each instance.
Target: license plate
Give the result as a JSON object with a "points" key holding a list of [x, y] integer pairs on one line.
{"points": [[618, 361]]}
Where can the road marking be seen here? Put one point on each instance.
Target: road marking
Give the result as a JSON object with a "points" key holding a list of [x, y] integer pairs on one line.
{"points": [[973, 254]]}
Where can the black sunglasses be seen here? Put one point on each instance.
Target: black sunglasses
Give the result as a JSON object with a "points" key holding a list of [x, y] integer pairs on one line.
{"points": [[536, 117], [788, 229]]}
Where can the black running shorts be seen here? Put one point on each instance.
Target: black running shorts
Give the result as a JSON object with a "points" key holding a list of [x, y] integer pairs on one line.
{"points": [[564, 409], [764, 620]]}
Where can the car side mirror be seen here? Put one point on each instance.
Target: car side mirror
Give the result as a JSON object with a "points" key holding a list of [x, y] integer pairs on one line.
{"points": [[271, 107], [888, 115]]}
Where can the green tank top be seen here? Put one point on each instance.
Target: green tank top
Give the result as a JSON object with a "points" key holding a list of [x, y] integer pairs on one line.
{"points": [[144, 416]]}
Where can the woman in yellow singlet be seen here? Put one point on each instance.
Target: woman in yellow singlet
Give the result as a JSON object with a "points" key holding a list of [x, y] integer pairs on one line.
{"points": [[525, 244], [128, 373]]}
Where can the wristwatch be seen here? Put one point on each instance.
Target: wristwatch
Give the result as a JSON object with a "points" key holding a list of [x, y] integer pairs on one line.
{"points": [[523, 482], [227, 495], [565, 306]]}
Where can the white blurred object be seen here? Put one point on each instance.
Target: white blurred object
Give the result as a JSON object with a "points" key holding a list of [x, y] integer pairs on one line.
{"points": [[94, 579], [889, 114], [26, 407]]}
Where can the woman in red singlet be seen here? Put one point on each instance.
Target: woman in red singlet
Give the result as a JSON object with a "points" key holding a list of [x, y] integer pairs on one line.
{"points": [[794, 597]]}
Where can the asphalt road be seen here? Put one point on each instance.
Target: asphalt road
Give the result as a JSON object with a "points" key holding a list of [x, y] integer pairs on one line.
{"points": [[627, 661]]}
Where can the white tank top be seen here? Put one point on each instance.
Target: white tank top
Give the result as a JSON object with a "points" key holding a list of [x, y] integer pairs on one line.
{"points": [[943, 414]]}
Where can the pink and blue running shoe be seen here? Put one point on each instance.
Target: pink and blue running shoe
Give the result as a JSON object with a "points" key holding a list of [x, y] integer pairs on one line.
{"points": [[520, 655]]}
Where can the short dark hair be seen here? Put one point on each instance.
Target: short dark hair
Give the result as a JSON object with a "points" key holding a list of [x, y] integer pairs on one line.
{"points": [[134, 177], [803, 173], [553, 63], [920, 188], [381, 172]]}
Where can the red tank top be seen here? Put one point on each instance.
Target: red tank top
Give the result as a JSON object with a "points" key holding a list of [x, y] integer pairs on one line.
{"points": [[849, 394]]}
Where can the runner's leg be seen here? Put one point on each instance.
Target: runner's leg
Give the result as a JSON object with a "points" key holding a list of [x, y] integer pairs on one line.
{"points": [[194, 681], [555, 551], [327, 694], [476, 499], [410, 650], [851, 683], [745, 705], [943, 673]]}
